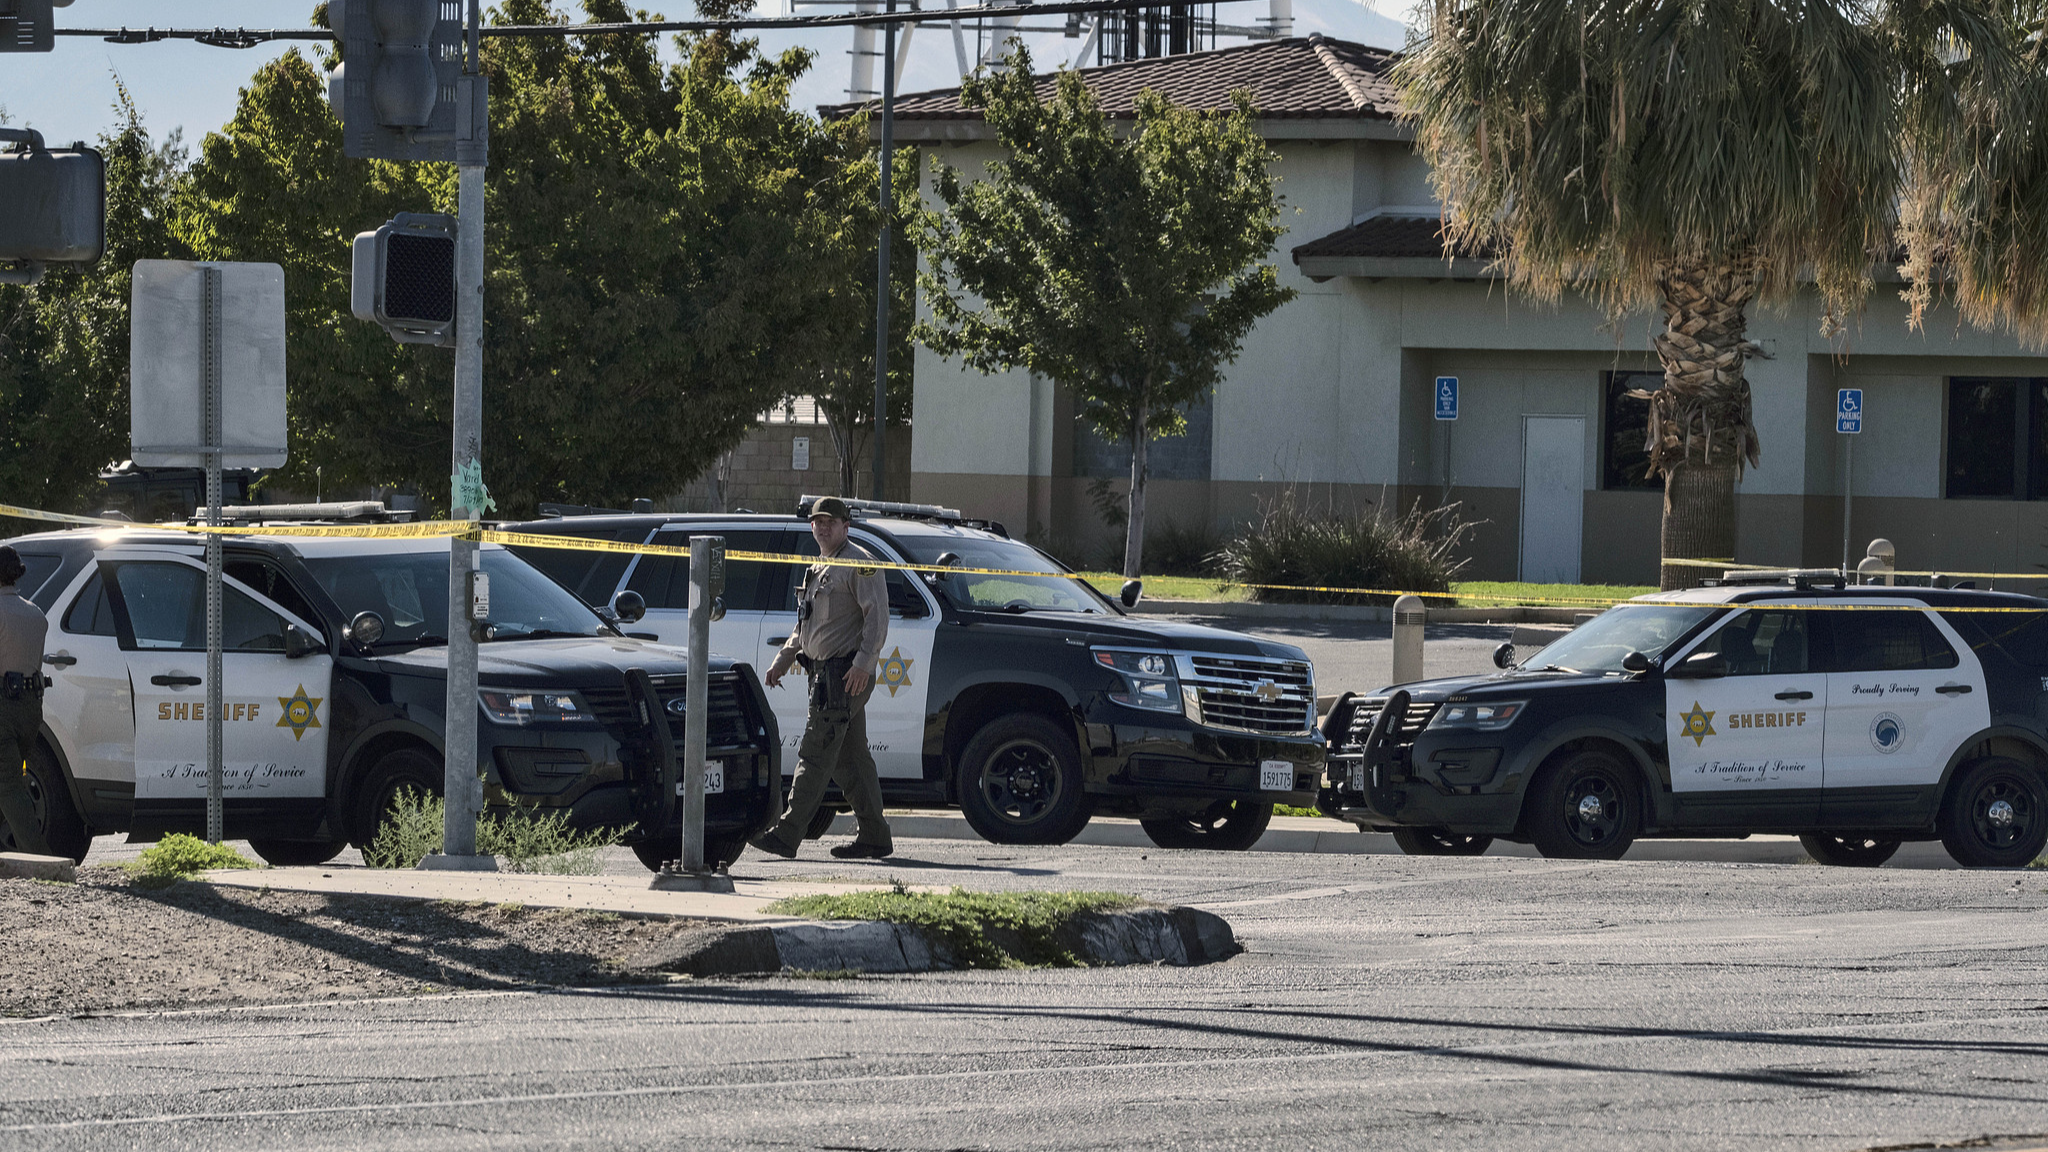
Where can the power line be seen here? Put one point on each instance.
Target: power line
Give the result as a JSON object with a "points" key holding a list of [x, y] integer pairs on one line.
{"points": [[250, 37]]}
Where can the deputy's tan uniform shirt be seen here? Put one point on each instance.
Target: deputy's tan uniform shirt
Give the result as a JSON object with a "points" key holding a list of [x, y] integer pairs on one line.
{"points": [[22, 632], [849, 611]]}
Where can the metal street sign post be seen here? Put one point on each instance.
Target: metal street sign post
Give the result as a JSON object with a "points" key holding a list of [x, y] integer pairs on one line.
{"points": [[1848, 422], [707, 583], [208, 390]]}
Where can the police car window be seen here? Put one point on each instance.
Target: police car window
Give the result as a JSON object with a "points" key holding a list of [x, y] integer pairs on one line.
{"points": [[1888, 640], [410, 591], [2022, 636], [1763, 642], [40, 566], [592, 576], [92, 614], [274, 586], [1600, 644], [904, 600], [1031, 580], [167, 609]]}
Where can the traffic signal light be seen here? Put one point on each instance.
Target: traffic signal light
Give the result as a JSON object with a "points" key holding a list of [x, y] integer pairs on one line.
{"points": [[403, 278], [27, 25], [402, 94], [56, 201]]}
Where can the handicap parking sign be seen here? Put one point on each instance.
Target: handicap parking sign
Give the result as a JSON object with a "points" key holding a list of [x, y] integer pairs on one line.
{"points": [[1447, 397], [1849, 410]]}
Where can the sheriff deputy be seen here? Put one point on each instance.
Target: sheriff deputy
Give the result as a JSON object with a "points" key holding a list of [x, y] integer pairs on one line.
{"points": [[22, 630], [842, 618]]}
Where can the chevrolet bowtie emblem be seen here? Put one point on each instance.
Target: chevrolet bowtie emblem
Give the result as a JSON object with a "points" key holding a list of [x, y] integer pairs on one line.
{"points": [[1267, 691]]}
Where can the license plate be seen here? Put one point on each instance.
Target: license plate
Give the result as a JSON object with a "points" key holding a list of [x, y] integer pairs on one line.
{"points": [[714, 778], [1276, 775], [1358, 777]]}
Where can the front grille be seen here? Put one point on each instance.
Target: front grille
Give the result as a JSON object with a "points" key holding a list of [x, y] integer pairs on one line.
{"points": [[1410, 726], [727, 726], [1251, 694]]}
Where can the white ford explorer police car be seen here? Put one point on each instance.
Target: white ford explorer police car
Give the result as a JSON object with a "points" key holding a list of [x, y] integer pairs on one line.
{"points": [[1853, 717]]}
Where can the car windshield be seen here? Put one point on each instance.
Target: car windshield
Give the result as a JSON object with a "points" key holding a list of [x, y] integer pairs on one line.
{"points": [[1599, 644], [410, 591], [1054, 591]]}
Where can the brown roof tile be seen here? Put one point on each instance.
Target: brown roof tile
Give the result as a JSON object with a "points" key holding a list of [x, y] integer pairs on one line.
{"points": [[1309, 77]]}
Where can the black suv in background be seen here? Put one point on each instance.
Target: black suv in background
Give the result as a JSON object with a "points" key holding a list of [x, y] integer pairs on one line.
{"points": [[334, 687], [1031, 701]]}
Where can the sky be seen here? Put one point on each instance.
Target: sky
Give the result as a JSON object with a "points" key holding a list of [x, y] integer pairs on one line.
{"points": [[69, 94]]}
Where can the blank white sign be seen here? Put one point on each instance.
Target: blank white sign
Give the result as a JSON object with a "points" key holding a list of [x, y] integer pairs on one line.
{"points": [[167, 344]]}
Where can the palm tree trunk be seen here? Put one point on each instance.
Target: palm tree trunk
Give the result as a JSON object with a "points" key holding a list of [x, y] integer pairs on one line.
{"points": [[1134, 525], [1700, 435]]}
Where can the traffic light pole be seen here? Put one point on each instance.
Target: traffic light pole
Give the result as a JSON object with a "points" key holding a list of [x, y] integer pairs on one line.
{"points": [[882, 259]]}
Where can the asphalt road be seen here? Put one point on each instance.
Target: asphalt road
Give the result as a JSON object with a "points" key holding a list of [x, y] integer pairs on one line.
{"points": [[1359, 657], [1491, 1003]]}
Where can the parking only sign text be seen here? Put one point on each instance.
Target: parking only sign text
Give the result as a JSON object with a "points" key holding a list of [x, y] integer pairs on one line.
{"points": [[1849, 410], [1447, 397]]}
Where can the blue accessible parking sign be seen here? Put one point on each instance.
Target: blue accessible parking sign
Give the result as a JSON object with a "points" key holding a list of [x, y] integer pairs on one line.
{"points": [[1849, 410], [1447, 397]]}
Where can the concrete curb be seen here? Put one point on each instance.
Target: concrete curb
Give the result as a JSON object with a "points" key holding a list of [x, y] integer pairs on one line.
{"points": [[1176, 936], [25, 866]]}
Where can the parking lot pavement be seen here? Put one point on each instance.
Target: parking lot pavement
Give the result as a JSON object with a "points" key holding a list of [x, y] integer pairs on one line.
{"points": [[1495, 1003], [1359, 657]]}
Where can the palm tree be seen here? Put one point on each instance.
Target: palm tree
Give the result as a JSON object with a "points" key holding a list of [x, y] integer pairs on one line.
{"points": [[1701, 155]]}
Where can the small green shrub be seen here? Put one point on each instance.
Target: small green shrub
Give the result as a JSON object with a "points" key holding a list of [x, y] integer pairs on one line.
{"points": [[1296, 544], [178, 856], [1173, 549], [528, 840], [985, 929]]}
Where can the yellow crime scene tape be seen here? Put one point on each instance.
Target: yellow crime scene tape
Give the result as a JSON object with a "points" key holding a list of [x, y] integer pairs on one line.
{"points": [[473, 531]]}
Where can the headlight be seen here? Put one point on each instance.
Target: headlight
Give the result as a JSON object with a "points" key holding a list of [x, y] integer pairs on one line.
{"points": [[1149, 680], [523, 708], [1480, 715]]}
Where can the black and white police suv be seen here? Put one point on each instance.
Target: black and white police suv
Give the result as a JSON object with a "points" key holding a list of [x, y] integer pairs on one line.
{"points": [[1853, 717], [335, 675], [1031, 701]]}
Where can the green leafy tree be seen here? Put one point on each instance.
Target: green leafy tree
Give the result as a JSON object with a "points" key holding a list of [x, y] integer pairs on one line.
{"points": [[656, 258], [64, 342], [1121, 264], [1700, 155]]}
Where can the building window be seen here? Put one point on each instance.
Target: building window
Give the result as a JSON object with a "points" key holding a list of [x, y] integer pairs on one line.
{"points": [[1997, 438], [1624, 421]]}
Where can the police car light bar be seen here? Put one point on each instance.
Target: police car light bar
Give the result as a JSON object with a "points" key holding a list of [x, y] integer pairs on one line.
{"points": [[1797, 577], [885, 508], [361, 511]]}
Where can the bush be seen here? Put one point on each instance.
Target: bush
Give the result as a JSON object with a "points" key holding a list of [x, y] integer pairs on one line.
{"points": [[1174, 550], [178, 856], [985, 929], [1295, 544], [528, 841]]}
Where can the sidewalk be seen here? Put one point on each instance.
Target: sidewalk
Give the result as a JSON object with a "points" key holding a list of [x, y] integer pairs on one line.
{"points": [[1315, 834]]}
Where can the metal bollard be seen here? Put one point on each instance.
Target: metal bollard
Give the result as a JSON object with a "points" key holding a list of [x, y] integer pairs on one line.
{"points": [[1409, 616]]}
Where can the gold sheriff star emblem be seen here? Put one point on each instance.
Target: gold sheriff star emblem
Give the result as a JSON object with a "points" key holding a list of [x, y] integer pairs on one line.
{"points": [[894, 671], [1698, 724], [300, 713]]}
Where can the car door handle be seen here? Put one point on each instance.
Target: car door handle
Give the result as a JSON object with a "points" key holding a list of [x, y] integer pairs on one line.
{"points": [[1794, 694], [777, 641], [1953, 689], [60, 660], [175, 680]]}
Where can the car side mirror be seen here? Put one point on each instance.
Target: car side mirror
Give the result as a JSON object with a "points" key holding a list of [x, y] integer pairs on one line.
{"points": [[366, 628], [1504, 656], [1131, 591], [1701, 666], [1635, 662], [628, 606], [297, 644]]}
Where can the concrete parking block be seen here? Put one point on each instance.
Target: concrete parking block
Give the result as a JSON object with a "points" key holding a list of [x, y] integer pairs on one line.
{"points": [[25, 866]]}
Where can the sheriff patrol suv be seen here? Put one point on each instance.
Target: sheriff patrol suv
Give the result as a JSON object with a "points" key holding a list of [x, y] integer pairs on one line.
{"points": [[1854, 717], [1031, 701], [334, 679]]}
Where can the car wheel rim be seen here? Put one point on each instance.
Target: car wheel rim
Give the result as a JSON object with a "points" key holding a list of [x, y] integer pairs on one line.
{"points": [[1215, 818], [1020, 781], [1592, 810], [1450, 840], [2002, 814]]}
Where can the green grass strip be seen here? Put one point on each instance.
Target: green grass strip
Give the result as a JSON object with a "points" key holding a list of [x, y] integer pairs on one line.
{"points": [[1469, 593], [985, 929]]}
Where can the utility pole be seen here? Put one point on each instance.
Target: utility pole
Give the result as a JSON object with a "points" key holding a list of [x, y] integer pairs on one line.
{"points": [[882, 257]]}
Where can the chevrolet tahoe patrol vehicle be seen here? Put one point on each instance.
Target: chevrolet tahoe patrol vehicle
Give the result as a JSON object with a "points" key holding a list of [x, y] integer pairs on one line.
{"points": [[1853, 717], [1030, 700], [335, 675]]}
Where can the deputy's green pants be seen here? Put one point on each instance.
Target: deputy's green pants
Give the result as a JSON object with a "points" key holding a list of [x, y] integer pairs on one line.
{"points": [[20, 721], [835, 746]]}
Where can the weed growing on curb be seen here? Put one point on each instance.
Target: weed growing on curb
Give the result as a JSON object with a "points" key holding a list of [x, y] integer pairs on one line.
{"points": [[178, 856], [529, 841], [985, 929]]}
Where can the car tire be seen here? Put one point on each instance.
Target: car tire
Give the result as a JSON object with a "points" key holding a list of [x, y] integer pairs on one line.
{"points": [[1995, 815], [1225, 826], [821, 822], [1585, 806], [1848, 851], [1019, 782], [413, 768], [63, 828], [719, 852], [297, 853], [1439, 842]]}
